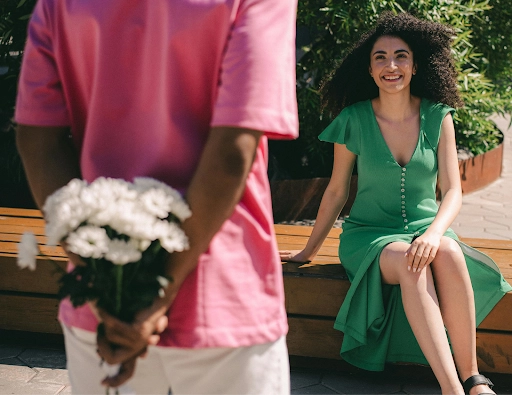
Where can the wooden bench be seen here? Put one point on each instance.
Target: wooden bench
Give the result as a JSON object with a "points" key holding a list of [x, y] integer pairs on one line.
{"points": [[314, 292], [28, 300]]}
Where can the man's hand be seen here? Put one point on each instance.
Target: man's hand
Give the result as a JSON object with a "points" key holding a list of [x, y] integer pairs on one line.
{"points": [[120, 341]]}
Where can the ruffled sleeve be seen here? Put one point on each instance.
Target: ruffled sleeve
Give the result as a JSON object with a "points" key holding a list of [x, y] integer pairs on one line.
{"points": [[343, 130], [434, 114]]}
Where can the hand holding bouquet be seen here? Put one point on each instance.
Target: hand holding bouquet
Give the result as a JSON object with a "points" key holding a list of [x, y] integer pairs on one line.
{"points": [[122, 232]]}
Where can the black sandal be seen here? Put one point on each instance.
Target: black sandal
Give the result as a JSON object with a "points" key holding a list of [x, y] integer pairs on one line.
{"points": [[477, 379]]}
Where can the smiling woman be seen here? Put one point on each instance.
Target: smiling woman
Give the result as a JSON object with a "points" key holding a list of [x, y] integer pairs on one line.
{"points": [[410, 276]]}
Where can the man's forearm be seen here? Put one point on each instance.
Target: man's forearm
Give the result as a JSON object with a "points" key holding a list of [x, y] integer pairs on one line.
{"points": [[49, 158], [216, 188]]}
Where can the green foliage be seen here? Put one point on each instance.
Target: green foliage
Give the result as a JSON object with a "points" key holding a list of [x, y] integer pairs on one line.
{"points": [[14, 15], [335, 25]]}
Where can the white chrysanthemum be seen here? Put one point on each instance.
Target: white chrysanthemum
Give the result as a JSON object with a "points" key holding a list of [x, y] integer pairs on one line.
{"points": [[65, 211], [112, 189], [142, 184], [129, 219], [157, 197], [174, 238], [121, 252], [181, 209], [144, 244], [27, 251], [88, 242], [156, 202]]}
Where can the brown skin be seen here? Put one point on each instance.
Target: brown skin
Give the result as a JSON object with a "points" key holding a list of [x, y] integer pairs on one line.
{"points": [[51, 161]]}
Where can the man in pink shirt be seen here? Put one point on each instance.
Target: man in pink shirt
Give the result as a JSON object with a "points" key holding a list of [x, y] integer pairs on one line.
{"points": [[187, 92]]}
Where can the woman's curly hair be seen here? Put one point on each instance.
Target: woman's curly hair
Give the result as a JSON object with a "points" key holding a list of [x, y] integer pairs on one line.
{"points": [[430, 42]]}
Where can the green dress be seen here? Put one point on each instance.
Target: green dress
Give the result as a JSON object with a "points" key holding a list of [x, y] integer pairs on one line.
{"points": [[393, 203]]}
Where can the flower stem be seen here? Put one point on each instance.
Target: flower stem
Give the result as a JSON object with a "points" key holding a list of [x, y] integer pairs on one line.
{"points": [[119, 288]]}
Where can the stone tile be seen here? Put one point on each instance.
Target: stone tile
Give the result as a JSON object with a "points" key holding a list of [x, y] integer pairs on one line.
{"points": [[314, 389], [361, 384], [414, 387], [503, 221], [304, 378], [498, 234], [465, 231], [51, 376], [9, 352], [482, 211], [468, 219], [65, 391], [15, 374], [21, 388], [44, 358]]}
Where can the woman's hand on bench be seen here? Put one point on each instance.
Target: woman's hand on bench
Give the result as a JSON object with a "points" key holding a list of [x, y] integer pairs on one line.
{"points": [[298, 256]]}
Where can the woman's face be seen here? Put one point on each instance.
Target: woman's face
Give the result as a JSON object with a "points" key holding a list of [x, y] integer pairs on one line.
{"points": [[391, 64]]}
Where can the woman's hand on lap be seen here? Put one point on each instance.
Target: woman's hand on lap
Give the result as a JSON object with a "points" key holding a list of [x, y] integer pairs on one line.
{"points": [[422, 252]]}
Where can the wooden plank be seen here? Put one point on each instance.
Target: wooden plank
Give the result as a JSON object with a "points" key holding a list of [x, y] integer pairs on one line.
{"points": [[499, 317], [313, 338], [52, 251], [22, 221], [305, 231], [16, 237], [314, 296], [20, 212], [20, 229], [322, 297], [326, 268], [487, 243], [43, 280], [28, 313], [317, 338]]}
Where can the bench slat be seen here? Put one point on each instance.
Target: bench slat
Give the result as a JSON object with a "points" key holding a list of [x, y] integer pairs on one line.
{"points": [[29, 313], [318, 338], [43, 280], [20, 212]]}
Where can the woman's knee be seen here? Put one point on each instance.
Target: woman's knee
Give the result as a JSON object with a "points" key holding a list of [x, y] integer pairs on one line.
{"points": [[394, 264], [449, 257]]}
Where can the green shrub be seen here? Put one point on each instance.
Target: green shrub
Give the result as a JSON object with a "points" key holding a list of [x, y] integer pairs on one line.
{"points": [[335, 25], [14, 15]]}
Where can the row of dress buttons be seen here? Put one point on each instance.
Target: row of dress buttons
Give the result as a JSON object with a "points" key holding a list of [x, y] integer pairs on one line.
{"points": [[402, 190]]}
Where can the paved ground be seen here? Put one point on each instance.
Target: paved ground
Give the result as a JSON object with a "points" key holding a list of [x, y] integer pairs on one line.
{"points": [[36, 364]]}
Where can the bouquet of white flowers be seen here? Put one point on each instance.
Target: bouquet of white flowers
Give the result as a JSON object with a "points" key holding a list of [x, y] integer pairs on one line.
{"points": [[122, 231]]}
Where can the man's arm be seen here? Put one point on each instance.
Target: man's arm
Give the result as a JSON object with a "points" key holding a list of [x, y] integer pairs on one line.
{"points": [[49, 158]]}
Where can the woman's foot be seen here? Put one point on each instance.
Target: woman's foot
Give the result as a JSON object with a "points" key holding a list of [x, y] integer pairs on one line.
{"points": [[481, 389], [478, 384]]}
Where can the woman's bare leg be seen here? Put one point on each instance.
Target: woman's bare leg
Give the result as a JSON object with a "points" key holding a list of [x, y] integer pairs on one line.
{"points": [[457, 306], [423, 313]]}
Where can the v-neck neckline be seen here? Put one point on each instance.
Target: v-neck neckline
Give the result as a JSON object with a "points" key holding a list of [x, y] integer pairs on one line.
{"points": [[374, 117]]}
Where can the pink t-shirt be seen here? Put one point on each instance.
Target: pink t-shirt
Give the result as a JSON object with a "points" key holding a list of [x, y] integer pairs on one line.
{"points": [[140, 83]]}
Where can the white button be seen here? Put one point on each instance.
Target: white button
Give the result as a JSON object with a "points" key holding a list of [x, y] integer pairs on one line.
{"points": [[405, 220], [403, 196], [403, 211], [403, 175], [402, 184], [404, 215], [402, 190], [406, 227], [404, 169], [403, 179]]}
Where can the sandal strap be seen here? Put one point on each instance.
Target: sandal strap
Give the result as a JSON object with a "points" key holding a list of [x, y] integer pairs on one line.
{"points": [[477, 379]]}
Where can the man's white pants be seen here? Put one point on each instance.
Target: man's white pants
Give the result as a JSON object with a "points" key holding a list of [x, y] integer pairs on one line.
{"points": [[261, 369]]}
